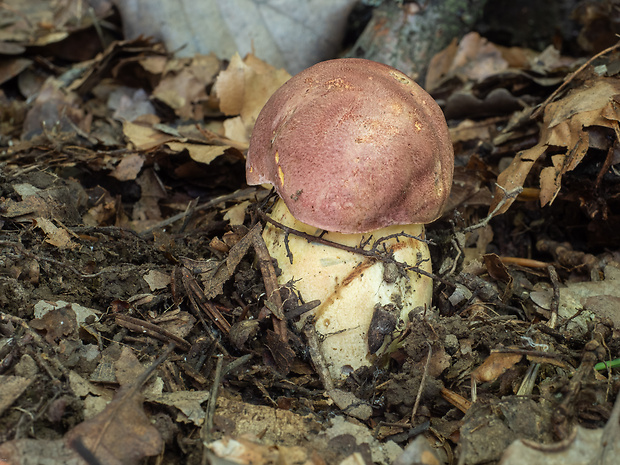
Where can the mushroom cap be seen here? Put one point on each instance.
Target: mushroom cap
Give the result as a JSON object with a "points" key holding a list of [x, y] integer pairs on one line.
{"points": [[352, 145]]}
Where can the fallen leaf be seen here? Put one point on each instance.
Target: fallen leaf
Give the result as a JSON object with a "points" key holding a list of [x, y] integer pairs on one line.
{"points": [[12, 388], [565, 126], [244, 87], [58, 237], [236, 214], [128, 168], [199, 152], [294, 38], [56, 323], [157, 280], [121, 433], [184, 83], [187, 402], [43, 307], [495, 365]]}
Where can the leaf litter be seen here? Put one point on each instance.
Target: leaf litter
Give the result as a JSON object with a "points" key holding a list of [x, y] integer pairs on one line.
{"points": [[127, 227]]}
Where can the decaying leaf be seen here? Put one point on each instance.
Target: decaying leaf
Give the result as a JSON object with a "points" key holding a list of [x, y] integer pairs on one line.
{"points": [[56, 323], [156, 279], [12, 388], [565, 129], [188, 403], [495, 364], [122, 433], [245, 86], [128, 168], [183, 86]]}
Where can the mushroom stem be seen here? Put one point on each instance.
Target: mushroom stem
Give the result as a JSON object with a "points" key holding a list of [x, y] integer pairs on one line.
{"points": [[365, 302]]}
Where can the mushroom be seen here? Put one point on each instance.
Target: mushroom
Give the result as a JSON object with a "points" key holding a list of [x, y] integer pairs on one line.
{"points": [[358, 153]]}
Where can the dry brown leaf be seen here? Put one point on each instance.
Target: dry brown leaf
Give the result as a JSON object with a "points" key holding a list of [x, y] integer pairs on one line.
{"points": [[234, 129], [471, 130], [230, 86], [156, 279], [126, 367], [551, 180], [565, 126], [146, 211], [145, 137], [104, 211], [495, 365], [179, 324], [187, 402], [56, 110], [496, 268], [199, 152], [245, 86], [477, 58], [183, 86], [281, 351], [36, 23], [128, 168], [111, 62], [121, 433], [130, 104], [10, 68], [57, 323], [12, 388], [55, 236], [550, 360], [236, 214]]}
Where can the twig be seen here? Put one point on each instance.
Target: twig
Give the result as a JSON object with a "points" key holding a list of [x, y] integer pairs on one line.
{"points": [[508, 195], [200, 301], [457, 400], [270, 279], [608, 159], [207, 427], [131, 392], [23, 251], [422, 382], [356, 250], [320, 365], [524, 262], [555, 301], [150, 329], [210, 204]]}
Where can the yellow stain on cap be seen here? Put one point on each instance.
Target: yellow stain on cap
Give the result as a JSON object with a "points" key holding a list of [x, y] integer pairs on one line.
{"points": [[280, 172]]}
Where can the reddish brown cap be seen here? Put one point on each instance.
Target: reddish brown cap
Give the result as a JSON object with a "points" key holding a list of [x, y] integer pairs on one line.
{"points": [[353, 145]]}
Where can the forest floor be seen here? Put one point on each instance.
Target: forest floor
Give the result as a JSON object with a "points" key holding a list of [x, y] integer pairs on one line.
{"points": [[132, 315]]}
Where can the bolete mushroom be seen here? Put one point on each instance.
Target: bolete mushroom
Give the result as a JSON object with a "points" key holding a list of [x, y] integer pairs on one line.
{"points": [[355, 149]]}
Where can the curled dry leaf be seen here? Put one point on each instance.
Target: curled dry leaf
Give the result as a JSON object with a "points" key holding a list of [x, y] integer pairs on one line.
{"points": [[121, 433], [566, 125], [244, 88]]}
